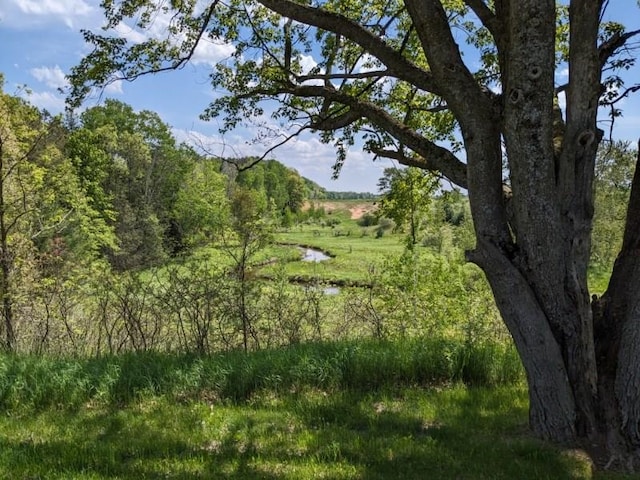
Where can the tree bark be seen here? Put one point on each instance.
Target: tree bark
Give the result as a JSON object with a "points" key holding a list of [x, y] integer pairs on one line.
{"points": [[617, 338], [584, 378], [552, 410]]}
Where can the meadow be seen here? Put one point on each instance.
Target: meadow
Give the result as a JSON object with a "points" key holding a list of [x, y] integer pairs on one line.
{"points": [[448, 402]]}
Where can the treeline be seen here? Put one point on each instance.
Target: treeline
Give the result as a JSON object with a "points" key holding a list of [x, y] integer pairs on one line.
{"points": [[316, 192], [350, 195]]}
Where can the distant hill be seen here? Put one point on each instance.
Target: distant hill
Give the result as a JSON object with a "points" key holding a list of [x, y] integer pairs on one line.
{"points": [[274, 177], [316, 192]]}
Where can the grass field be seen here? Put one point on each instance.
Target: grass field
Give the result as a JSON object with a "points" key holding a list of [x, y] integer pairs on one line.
{"points": [[310, 412], [411, 433], [353, 248]]}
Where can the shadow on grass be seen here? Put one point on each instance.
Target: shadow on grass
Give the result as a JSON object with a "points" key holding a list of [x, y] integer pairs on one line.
{"points": [[454, 433], [109, 445]]}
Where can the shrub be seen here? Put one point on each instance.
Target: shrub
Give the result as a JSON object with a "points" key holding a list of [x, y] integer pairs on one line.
{"points": [[367, 220]]}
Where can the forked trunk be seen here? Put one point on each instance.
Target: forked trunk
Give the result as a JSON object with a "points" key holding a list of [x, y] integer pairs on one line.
{"points": [[552, 409], [582, 361]]}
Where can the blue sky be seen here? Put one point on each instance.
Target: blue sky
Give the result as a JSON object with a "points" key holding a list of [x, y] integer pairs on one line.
{"points": [[41, 41]]}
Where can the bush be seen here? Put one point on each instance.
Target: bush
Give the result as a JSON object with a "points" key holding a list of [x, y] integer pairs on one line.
{"points": [[367, 220]]}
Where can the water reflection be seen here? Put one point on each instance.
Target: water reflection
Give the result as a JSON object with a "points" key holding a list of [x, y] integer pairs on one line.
{"points": [[311, 255]]}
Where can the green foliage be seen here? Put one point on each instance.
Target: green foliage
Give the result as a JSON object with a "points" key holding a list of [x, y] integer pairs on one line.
{"points": [[202, 208], [31, 383], [44, 216], [282, 186], [130, 169], [368, 220], [405, 196], [418, 292], [615, 165]]}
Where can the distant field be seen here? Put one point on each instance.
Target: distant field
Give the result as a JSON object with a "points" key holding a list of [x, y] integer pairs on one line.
{"points": [[355, 208], [354, 249]]}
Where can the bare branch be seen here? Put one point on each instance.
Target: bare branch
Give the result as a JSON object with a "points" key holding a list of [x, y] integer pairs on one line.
{"points": [[271, 149]]}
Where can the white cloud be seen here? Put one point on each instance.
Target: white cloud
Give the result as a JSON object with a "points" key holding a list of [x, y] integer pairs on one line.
{"points": [[114, 88], [367, 63], [51, 77], [130, 33], [562, 100], [307, 63], [46, 100], [17, 13], [211, 52], [54, 7], [306, 153]]}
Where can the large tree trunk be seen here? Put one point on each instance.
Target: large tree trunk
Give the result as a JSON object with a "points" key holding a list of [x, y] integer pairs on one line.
{"points": [[582, 361], [582, 358], [552, 409]]}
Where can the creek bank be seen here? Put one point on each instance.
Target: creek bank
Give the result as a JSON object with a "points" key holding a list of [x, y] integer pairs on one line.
{"points": [[311, 253]]}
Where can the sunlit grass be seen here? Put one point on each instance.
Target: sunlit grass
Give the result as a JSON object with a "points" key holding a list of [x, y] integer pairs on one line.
{"points": [[37, 382], [352, 255]]}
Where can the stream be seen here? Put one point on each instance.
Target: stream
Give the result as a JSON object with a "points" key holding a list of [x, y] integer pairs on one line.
{"points": [[316, 256], [313, 255]]}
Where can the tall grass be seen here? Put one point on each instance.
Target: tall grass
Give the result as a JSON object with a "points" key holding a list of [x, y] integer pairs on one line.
{"points": [[35, 382]]}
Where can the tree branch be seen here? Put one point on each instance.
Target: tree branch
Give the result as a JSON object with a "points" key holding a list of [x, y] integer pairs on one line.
{"points": [[610, 47], [459, 88], [414, 161], [476, 112], [489, 20], [397, 65], [335, 122], [87, 75], [440, 158], [344, 76]]}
